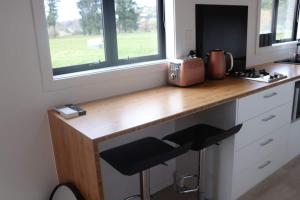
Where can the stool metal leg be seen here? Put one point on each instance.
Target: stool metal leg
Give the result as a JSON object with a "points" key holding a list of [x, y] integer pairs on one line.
{"points": [[145, 185], [201, 177]]}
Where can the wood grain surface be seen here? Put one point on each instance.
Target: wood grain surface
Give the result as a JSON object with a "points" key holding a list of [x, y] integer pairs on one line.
{"points": [[112, 117], [77, 159]]}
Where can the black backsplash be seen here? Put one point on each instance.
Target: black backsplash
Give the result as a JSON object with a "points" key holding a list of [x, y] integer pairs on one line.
{"points": [[222, 27]]}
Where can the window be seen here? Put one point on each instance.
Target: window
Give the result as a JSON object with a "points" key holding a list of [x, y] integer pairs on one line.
{"points": [[298, 28], [92, 34], [278, 19], [266, 14], [285, 22]]}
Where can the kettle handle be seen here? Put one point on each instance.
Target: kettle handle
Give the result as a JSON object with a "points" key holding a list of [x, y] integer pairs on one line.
{"points": [[231, 61]]}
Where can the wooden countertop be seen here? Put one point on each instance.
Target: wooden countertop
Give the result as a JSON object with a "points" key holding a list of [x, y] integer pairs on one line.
{"points": [[112, 117]]}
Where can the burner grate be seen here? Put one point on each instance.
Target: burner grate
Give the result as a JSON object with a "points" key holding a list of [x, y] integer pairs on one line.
{"points": [[259, 75]]}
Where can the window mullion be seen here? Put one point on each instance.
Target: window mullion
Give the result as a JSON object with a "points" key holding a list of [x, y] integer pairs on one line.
{"points": [[110, 33], [296, 23], [161, 28], [275, 17]]}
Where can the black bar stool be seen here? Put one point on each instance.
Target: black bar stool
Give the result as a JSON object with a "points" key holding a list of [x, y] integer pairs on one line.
{"points": [[139, 156], [202, 136]]}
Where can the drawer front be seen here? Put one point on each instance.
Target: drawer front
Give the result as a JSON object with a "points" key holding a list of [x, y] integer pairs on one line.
{"points": [[262, 125], [254, 105], [260, 149], [248, 178]]}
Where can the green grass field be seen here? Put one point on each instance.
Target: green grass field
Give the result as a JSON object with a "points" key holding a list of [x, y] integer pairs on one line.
{"points": [[73, 50]]}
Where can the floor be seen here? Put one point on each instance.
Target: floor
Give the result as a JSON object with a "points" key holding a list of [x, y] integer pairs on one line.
{"points": [[282, 185]]}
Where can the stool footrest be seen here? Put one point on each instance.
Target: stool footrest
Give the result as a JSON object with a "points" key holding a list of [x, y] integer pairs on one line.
{"points": [[188, 190], [181, 187]]}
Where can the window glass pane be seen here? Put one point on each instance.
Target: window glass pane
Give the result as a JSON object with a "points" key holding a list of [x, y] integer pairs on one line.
{"points": [[75, 31], [137, 33], [266, 16], [285, 19]]}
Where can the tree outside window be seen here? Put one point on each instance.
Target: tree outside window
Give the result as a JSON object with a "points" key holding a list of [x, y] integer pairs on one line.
{"points": [[80, 39]]}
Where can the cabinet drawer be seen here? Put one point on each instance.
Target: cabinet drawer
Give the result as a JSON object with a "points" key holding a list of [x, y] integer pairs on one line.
{"points": [[258, 150], [254, 105], [262, 125], [248, 178]]}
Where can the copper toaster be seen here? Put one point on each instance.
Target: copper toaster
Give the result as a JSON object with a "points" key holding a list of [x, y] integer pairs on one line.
{"points": [[186, 72]]}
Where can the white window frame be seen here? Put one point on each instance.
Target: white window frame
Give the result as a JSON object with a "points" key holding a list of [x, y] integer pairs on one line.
{"points": [[274, 47], [53, 83]]}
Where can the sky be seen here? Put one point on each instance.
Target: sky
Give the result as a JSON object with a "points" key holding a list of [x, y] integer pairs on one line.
{"points": [[67, 9]]}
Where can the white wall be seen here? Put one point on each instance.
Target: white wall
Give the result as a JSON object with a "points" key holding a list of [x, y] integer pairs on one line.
{"points": [[27, 169], [186, 37]]}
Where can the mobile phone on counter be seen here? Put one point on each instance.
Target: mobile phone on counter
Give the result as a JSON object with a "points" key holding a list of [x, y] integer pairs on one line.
{"points": [[69, 111]]}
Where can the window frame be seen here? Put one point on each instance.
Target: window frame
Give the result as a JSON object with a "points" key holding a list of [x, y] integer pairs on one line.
{"points": [[110, 43], [275, 19]]}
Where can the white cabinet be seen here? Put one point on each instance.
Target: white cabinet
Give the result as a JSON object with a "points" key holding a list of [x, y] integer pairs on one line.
{"points": [[253, 105], [294, 140], [259, 170], [261, 147], [262, 125]]}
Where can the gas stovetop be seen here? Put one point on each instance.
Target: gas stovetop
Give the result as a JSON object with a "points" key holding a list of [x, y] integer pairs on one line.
{"points": [[259, 75]]}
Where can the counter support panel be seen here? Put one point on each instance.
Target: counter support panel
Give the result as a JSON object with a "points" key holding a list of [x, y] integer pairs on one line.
{"points": [[77, 159]]}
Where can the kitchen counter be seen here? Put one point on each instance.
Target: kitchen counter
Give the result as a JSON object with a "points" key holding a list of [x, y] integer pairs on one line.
{"points": [[112, 117], [76, 141]]}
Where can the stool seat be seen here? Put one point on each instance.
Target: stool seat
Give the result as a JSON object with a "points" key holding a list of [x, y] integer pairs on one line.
{"points": [[141, 155], [201, 135]]}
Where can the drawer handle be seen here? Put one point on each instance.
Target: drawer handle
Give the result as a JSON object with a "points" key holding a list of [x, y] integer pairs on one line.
{"points": [[267, 142], [265, 165], [270, 95], [269, 118]]}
